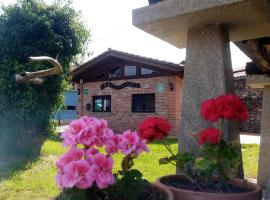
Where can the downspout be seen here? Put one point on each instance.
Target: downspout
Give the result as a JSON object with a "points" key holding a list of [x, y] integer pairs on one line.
{"points": [[81, 89]]}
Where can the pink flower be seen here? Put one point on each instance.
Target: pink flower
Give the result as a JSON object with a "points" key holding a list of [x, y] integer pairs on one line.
{"points": [[101, 171], [103, 162], [73, 154], [132, 137], [104, 179], [90, 154], [141, 147], [87, 136], [112, 144], [130, 142], [124, 146], [69, 137], [74, 175]]}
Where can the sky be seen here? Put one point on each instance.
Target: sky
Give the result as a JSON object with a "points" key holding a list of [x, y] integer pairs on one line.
{"points": [[110, 22]]}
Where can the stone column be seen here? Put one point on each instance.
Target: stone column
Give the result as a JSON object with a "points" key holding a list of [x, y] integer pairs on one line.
{"points": [[264, 159], [208, 73]]}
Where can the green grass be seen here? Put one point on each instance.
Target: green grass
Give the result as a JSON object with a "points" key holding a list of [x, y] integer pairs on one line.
{"points": [[250, 154], [36, 180]]}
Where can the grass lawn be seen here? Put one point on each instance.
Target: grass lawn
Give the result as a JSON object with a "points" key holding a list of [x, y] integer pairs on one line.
{"points": [[36, 181]]}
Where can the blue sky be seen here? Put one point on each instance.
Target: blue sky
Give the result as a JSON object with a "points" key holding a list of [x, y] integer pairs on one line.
{"points": [[110, 22]]}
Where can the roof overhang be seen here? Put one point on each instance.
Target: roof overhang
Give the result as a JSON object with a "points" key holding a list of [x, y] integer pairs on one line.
{"points": [[170, 20], [107, 59]]}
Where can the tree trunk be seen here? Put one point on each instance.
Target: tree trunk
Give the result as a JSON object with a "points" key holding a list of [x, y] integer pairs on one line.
{"points": [[17, 148]]}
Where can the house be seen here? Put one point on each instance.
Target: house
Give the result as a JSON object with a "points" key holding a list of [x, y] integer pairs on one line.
{"points": [[70, 111], [123, 89]]}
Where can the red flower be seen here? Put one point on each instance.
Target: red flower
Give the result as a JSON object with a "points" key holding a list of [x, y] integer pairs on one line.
{"points": [[225, 106], [231, 107], [210, 135], [153, 128], [242, 112], [209, 110]]}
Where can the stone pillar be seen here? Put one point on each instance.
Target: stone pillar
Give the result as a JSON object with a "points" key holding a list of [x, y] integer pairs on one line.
{"points": [[208, 73], [264, 159]]}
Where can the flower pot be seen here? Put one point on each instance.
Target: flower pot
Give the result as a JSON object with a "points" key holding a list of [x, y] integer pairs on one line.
{"points": [[154, 190], [166, 190], [254, 194], [153, 1]]}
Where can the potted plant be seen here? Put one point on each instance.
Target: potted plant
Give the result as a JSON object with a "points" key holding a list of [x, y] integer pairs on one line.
{"points": [[153, 1], [209, 175], [86, 170]]}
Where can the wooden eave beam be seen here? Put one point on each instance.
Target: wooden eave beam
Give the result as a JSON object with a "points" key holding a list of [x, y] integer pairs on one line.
{"points": [[254, 51]]}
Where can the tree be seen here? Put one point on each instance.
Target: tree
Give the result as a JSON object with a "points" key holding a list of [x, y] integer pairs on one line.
{"points": [[33, 28]]}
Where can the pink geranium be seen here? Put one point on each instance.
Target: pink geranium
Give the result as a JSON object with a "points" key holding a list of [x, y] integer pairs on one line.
{"points": [[73, 154], [82, 168], [74, 175]]}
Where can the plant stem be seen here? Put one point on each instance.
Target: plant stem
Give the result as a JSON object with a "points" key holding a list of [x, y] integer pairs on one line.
{"points": [[168, 148]]}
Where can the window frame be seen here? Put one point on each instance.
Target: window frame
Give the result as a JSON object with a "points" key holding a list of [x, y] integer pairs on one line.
{"points": [[103, 98], [143, 111]]}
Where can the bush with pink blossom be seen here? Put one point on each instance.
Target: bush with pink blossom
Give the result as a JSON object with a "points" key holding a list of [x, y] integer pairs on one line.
{"points": [[88, 163]]}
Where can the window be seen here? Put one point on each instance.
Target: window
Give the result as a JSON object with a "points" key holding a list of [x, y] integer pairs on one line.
{"points": [[115, 73], [130, 70], [145, 71], [71, 107], [143, 103], [102, 103]]}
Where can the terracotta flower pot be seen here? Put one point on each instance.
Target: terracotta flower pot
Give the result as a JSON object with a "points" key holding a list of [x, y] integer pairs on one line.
{"points": [[168, 192], [255, 194]]}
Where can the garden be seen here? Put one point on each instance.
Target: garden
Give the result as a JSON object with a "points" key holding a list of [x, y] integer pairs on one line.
{"points": [[37, 179], [88, 160]]}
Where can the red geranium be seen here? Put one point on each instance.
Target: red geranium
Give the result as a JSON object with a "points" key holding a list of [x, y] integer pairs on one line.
{"points": [[231, 107], [154, 128], [225, 106], [209, 110], [210, 135]]}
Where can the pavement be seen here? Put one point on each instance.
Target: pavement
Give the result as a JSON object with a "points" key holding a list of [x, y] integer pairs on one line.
{"points": [[248, 138]]}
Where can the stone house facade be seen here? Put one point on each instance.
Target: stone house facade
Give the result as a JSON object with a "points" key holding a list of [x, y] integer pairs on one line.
{"points": [[124, 89], [253, 99]]}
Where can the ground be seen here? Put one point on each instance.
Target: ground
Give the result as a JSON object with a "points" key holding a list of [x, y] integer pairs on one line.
{"points": [[37, 181]]}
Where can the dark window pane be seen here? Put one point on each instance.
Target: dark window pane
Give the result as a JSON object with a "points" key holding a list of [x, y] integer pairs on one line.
{"points": [[130, 70], [143, 103], [102, 103], [115, 73], [71, 107]]}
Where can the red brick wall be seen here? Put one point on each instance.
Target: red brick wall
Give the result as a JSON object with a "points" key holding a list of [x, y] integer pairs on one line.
{"points": [[168, 103]]}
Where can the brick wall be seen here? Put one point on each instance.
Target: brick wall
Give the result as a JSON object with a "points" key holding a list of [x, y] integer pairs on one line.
{"points": [[253, 100], [121, 117]]}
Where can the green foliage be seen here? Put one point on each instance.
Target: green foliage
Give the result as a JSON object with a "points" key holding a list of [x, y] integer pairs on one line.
{"points": [[222, 159], [73, 193], [184, 162], [32, 28], [129, 184]]}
